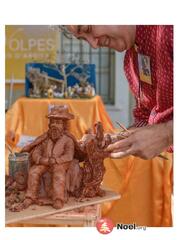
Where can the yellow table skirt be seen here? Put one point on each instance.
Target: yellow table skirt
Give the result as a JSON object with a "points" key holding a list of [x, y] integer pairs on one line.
{"points": [[145, 187]]}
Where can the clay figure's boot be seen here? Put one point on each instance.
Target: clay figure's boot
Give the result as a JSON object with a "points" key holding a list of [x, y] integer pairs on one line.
{"points": [[58, 204], [27, 202]]}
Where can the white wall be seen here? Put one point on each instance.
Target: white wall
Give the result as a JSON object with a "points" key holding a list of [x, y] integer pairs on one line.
{"points": [[122, 110]]}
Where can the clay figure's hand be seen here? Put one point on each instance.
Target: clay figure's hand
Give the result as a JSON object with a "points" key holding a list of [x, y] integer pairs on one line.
{"points": [[44, 161], [145, 142], [36, 161], [52, 161]]}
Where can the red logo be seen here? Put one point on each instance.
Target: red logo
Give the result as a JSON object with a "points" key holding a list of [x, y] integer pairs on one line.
{"points": [[104, 225]]}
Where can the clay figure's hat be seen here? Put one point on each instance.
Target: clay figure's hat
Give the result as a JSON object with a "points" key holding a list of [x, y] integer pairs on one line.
{"points": [[60, 112]]}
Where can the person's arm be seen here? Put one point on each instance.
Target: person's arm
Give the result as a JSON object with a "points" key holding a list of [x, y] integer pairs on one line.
{"points": [[145, 142]]}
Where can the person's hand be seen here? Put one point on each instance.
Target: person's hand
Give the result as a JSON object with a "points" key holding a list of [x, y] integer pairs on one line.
{"points": [[145, 142]]}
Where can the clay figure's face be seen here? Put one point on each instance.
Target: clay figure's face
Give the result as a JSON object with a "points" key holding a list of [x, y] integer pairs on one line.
{"points": [[56, 127], [117, 37]]}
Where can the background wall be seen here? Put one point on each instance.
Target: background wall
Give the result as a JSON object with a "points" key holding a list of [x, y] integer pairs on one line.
{"points": [[124, 101], [38, 43]]}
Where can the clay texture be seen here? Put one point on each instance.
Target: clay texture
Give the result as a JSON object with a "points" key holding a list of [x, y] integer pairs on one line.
{"points": [[60, 165]]}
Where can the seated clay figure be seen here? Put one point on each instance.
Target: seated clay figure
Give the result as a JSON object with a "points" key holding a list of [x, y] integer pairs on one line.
{"points": [[51, 152]]}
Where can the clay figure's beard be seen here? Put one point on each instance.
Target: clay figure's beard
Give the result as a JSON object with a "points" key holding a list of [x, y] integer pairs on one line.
{"points": [[55, 133]]}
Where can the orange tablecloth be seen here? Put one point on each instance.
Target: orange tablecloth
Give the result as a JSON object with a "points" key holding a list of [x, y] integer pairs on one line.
{"points": [[145, 186], [27, 116]]}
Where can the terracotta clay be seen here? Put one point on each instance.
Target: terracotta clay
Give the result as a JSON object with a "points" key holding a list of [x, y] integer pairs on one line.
{"points": [[93, 145], [52, 152], [55, 171], [15, 190]]}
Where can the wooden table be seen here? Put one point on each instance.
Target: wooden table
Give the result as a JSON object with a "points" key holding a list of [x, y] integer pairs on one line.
{"points": [[74, 213], [81, 217]]}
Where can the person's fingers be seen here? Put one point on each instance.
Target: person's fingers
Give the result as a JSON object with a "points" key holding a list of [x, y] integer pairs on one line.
{"points": [[120, 150], [117, 155], [119, 145], [121, 154], [125, 134]]}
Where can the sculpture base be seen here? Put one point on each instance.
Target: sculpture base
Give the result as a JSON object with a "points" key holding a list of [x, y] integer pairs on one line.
{"points": [[36, 211]]}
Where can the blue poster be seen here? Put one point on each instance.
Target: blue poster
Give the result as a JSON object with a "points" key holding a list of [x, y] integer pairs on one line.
{"points": [[60, 80]]}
